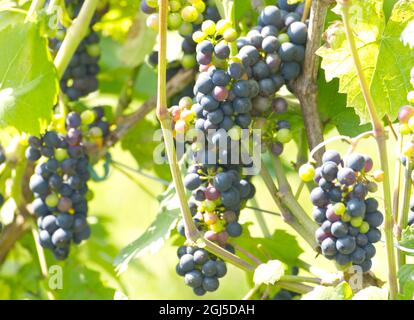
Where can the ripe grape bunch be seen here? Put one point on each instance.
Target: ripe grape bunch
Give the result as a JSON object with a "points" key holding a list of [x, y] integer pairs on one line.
{"points": [[80, 77], [347, 217], [59, 183], [274, 51], [201, 270]]}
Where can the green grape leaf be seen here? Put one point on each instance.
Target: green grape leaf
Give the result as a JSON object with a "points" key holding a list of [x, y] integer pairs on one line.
{"points": [[140, 143], [79, 283], [332, 108], [391, 82], [371, 293], [269, 273], [341, 292], [156, 234], [28, 83], [274, 247], [406, 280], [407, 238], [367, 20], [140, 42]]}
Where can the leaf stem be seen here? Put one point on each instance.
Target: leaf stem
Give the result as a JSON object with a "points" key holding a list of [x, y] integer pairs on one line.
{"points": [[75, 33], [381, 137], [403, 216], [288, 198], [34, 6], [397, 180], [306, 10], [288, 217], [164, 117], [42, 260]]}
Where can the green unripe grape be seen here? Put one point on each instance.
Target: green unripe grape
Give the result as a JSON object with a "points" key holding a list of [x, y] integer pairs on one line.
{"points": [[208, 27], [284, 136], [343, 268], [364, 228], [235, 133], [209, 205], [410, 97], [200, 6], [88, 117], [89, 195], [188, 61], [93, 50], [202, 207], [175, 5], [199, 36], [200, 19], [95, 132], [185, 103], [222, 26], [217, 227], [189, 14], [339, 208], [174, 21], [185, 29], [61, 154], [152, 3], [346, 217], [52, 200], [230, 35], [404, 129], [372, 187], [306, 172], [357, 222], [152, 21], [60, 35], [283, 37]]}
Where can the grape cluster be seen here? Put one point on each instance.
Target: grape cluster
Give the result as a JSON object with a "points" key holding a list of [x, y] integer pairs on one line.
{"points": [[80, 77], [201, 270], [347, 217], [59, 183], [273, 51], [181, 17]]}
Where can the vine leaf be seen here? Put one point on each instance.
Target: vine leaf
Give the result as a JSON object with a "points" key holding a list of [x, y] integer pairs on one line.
{"points": [[391, 82], [341, 292], [275, 246], [386, 61], [407, 238], [368, 23], [140, 42], [406, 280], [371, 293], [28, 83], [157, 233], [269, 273], [79, 282]]}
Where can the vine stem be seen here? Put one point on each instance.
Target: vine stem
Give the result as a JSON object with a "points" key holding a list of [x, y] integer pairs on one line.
{"points": [[403, 216], [192, 233], [288, 217], [34, 6], [397, 180], [42, 261], [381, 137], [75, 33], [305, 87], [306, 10], [288, 198]]}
